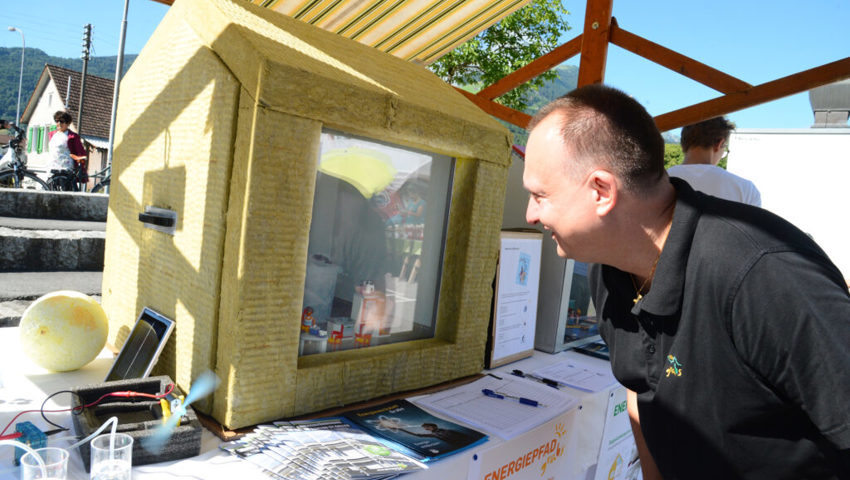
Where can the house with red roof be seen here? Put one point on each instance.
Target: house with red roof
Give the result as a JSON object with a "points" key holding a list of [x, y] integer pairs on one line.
{"points": [[57, 89]]}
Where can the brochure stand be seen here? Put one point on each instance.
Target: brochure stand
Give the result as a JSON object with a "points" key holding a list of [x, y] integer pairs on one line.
{"points": [[514, 312]]}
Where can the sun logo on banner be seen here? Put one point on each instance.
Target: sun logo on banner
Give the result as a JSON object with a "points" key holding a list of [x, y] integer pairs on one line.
{"points": [[553, 454]]}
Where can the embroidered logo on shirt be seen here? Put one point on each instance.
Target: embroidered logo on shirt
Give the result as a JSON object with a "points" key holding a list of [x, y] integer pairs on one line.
{"points": [[675, 367]]}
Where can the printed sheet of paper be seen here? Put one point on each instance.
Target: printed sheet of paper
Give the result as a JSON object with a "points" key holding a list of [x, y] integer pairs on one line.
{"points": [[579, 373], [515, 312], [506, 418]]}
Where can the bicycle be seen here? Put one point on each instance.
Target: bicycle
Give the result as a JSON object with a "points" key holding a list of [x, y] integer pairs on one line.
{"points": [[13, 165], [102, 185], [66, 180], [75, 181]]}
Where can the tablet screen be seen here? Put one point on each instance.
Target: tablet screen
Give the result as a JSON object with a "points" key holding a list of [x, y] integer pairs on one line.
{"points": [[142, 348]]}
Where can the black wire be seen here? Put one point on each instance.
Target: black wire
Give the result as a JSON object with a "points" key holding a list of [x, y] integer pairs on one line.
{"points": [[74, 411]]}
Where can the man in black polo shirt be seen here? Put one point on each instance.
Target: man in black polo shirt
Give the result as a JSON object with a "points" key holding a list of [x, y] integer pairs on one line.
{"points": [[729, 326]]}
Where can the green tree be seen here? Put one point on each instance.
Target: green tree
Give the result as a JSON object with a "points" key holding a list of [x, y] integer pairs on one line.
{"points": [[519, 38], [673, 154]]}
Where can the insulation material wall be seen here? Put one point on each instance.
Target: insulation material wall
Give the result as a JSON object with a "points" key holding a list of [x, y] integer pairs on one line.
{"points": [[173, 149], [224, 129]]}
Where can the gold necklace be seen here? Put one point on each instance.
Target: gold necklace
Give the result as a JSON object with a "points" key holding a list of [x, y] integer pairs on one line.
{"points": [[654, 264], [651, 273]]}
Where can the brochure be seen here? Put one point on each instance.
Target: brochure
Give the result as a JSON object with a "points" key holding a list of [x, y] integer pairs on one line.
{"points": [[319, 449], [420, 433], [598, 349]]}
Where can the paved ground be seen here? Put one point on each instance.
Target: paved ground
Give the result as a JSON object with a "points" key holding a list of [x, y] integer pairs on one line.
{"points": [[18, 290]]}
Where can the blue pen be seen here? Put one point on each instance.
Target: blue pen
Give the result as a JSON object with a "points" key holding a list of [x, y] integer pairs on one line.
{"points": [[504, 396]]}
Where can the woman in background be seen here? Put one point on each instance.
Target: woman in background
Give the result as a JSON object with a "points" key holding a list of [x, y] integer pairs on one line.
{"points": [[66, 149]]}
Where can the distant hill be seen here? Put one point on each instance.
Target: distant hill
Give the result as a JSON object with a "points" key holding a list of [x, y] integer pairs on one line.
{"points": [[670, 137], [566, 81], [34, 60]]}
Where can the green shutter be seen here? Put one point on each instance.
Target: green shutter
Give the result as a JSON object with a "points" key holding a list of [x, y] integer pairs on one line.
{"points": [[29, 141], [39, 139]]}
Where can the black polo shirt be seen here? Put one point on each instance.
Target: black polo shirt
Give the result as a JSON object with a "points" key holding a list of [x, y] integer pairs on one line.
{"points": [[740, 352]]}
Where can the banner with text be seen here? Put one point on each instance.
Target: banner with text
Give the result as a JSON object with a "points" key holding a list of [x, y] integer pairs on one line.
{"points": [[618, 458], [543, 453]]}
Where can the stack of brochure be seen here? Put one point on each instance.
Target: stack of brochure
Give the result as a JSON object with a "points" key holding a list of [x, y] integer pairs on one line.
{"points": [[376, 442], [320, 449]]}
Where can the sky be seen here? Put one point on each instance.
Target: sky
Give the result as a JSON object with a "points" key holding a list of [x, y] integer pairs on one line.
{"points": [[755, 41], [56, 27]]}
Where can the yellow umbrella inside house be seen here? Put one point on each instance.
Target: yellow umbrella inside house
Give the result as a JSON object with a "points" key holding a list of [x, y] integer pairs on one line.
{"points": [[369, 171]]}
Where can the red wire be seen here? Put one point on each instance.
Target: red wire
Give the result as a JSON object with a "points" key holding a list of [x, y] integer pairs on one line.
{"points": [[127, 393]]}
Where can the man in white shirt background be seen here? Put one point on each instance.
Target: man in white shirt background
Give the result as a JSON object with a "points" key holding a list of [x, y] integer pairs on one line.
{"points": [[704, 144]]}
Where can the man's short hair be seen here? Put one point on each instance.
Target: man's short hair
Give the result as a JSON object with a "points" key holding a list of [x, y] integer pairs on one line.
{"points": [[706, 134], [605, 127]]}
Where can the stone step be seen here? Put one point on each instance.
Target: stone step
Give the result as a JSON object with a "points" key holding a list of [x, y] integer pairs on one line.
{"points": [[51, 224], [16, 202], [11, 312], [18, 290], [35, 250]]}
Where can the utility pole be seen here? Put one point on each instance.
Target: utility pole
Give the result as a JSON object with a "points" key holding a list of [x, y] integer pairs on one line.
{"points": [[86, 50], [119, 67]]}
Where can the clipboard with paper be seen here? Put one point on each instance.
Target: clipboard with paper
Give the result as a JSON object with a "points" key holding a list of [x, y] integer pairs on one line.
{"points": [[514, 316], [505, 418]]}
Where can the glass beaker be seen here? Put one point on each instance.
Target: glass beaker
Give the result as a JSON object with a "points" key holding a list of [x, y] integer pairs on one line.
{"points": [[111, 462], [55, 464]]}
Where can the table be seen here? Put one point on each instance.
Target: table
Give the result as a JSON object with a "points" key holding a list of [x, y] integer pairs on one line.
{"points": [[24, 385]]}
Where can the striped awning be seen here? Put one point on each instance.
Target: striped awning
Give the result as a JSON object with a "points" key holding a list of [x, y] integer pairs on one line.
{"points": [[415, 30]]}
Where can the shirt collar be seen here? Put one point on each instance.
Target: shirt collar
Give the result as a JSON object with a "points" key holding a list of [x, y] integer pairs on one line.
{"points": [[665, 295]]}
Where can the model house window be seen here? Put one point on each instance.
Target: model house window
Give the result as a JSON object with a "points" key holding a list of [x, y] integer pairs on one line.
{"points": [[376, 244]]}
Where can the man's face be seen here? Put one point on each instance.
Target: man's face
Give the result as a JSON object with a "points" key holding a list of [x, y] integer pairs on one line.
{"points": [[559, 202]]}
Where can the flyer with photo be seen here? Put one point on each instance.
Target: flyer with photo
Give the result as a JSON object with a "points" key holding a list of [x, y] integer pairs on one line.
{"points": [[411, 427]]}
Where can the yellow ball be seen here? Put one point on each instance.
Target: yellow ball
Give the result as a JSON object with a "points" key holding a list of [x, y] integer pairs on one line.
{"points": [[63, 330]]}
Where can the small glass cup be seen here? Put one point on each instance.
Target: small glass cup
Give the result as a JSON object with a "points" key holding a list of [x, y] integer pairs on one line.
{"points": [[55, 463], [114, 466]]}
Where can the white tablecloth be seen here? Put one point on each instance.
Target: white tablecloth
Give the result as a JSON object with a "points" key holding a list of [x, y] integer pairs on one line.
{"points": [[24, 386]]}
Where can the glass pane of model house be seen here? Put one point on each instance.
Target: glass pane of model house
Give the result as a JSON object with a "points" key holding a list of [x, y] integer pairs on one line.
{"points": [[376, 244]]}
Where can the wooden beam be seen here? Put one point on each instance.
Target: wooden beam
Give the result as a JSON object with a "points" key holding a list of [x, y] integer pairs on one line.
{"points": [[167, 2], [532, 69], [766, 92], [594, 44], [677, 62], [499, 111]]}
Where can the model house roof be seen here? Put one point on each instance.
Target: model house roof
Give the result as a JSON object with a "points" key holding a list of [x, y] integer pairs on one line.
{"points": [[98, 99]]}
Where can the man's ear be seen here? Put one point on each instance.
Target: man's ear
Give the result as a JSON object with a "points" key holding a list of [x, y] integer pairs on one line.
{"points": [[604, 188], [719, 145]]}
